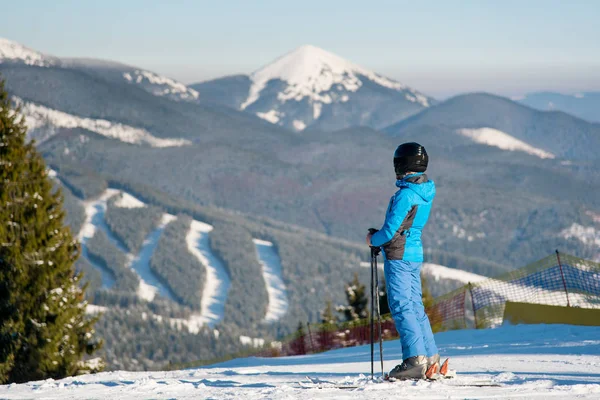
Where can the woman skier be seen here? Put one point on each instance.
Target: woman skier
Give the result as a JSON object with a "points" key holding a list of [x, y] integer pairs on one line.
{"points": [[400, 240]]}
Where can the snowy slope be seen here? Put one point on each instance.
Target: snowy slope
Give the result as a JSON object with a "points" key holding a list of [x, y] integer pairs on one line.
{"points": [[538, 361], [14, 52], [43, 123], [504, 141], [311, 86], [156, 84], [161, 85], [150, 285], [217, 282], [271, 268]]}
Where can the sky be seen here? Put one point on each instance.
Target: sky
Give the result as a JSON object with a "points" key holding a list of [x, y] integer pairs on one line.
{"points": [[441, 47]]}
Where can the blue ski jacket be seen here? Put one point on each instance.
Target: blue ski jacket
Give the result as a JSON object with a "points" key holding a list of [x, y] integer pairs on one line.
{"points": [[407, 214]]}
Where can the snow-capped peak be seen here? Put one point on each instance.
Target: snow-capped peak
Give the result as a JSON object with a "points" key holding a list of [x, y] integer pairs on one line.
{"points": [[15, 52], [311, 72]]}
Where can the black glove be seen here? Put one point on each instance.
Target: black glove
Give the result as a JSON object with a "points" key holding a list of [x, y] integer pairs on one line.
{"points": [[374, 250]]}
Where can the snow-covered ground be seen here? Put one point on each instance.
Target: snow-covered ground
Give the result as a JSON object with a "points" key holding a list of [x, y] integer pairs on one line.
{"points": [[94, 219], [161, 85], [271, 268], [43, 123], [217, 281], [536, 361], [16, 52], [504, 141], [150, 284], [95, 209]]}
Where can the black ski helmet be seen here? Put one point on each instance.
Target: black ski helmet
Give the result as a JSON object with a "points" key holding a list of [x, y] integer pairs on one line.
{"points": [[410, 157]]}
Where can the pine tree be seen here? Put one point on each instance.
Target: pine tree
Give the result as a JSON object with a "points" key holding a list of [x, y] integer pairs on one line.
{"points": [[328, 315], [44, 330], [357, 301]]}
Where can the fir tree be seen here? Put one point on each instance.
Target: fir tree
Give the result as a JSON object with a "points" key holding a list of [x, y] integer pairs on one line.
{"points": [[357, 301], [328, 314], [44, 330]]}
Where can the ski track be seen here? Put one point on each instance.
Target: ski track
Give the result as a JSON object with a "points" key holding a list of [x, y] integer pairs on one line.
{"points": [[150, 284], [527, 361], [217, 281], [94, 218], [272, 273], [95, 211]]}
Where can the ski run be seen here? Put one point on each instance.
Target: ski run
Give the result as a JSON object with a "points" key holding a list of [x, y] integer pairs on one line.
{"points": [[217, 282], [512, 362], [271, 268]]}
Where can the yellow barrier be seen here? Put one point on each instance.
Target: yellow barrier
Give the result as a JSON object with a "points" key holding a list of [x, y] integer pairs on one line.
{"points": [[526, 313]]}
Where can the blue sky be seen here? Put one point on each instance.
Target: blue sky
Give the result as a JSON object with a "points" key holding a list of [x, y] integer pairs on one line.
{"points": [[440, 47]]}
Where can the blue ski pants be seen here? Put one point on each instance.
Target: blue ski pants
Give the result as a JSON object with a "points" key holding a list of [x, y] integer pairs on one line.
{"points": [[403, 284]]}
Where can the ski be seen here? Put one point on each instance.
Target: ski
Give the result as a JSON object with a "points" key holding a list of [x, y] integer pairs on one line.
{"points": [[318, 383]]}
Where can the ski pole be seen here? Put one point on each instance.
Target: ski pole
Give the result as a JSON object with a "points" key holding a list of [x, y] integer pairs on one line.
{"points": [[372, 310], [378, 313]]}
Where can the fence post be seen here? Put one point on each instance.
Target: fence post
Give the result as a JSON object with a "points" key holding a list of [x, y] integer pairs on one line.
{"points": [[562, 274], [470, 286], [312, 348]]}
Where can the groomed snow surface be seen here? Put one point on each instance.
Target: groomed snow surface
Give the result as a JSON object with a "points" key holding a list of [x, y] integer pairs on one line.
{"points": [[526, 361], [217, 281], [271, 268], [504, 141]]}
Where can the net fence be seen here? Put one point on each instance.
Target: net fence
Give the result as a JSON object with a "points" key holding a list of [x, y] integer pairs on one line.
{"points": [[558, 280]]}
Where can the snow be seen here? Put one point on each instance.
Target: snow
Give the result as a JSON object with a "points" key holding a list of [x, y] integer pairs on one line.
{"points": [[586, 235], [504, 141], [299, 125], [43, 122], [310, 71], [128, 201], [441, 279], [15, 52], [217, 281], [440, 273], [95, 309], [254, 342], [319, 77], [272, 273], [526, 361], [149, 284], [161, 85], [272, 116], [94, 218]]}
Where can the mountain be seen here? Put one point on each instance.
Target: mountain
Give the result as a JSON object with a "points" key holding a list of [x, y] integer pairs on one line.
{"points": [[16, 54], [13, 52], [194, 165], [585, 105], [311, 87], [503, 123]]}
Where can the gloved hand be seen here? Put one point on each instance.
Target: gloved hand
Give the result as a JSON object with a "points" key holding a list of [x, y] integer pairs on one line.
{"points": [[374, 250]]}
